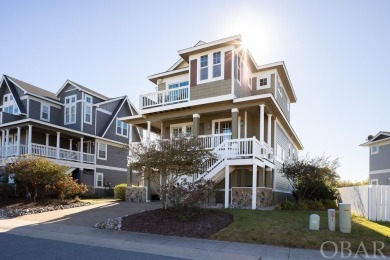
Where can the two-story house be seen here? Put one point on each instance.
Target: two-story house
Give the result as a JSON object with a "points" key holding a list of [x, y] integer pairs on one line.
{"points": [[217, 92], [76, 127], [379, 156]]}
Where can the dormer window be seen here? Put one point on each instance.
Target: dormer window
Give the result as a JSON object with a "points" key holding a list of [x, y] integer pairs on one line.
{"points": [[238, 68], [210, 67], [9, 105], [121, 128]]}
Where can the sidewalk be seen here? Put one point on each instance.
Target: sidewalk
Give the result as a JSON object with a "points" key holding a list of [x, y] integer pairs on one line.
{"points": [[189, 248]]}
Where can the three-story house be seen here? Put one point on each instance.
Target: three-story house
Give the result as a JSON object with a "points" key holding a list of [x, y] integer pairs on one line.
{"points": [[217, 92], [76, 127]]}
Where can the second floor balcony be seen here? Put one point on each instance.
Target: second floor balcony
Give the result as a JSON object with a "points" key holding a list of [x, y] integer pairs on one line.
{"points": [[165, 97]]}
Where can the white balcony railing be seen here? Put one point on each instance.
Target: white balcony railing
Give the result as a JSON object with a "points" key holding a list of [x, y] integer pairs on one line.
{"points": [[212, 141], [47, 151], [165, 97]]}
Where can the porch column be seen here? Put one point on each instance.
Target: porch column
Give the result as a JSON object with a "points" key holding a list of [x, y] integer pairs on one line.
{"points": [[235, 123], [2, 143], [82, 149], [47, 144], [254, 185], [195, 122], [6, 141], [226, 186], [269, 134], [58, 145], [129, 176], [261, 132], [18, 141], [264, 179], [148, 130], [29, 140], [70, 144], [245, 124]]}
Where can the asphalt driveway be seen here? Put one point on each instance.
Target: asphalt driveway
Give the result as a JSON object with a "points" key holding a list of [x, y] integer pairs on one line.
{"points": [[90, 215]]}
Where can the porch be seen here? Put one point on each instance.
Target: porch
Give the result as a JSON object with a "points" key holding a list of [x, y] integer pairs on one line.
{"points": [[19, 141]]}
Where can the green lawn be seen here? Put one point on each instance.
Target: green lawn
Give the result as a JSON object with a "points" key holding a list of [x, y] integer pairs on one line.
{"points": [[291, 229]]}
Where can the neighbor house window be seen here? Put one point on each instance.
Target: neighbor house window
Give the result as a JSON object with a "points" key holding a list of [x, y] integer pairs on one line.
{"points": [[88, 109], [216, 64], [374, 149], [177, 132], [70, 110], [45, 112], [204, 69], [9, 105], [102, 151], [99, 180], [121, 128]]}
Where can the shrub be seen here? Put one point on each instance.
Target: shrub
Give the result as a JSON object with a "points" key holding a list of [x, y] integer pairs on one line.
{"points": [[314, 204], [120, 191], [66, 187], [287, 205], [302, 205]]}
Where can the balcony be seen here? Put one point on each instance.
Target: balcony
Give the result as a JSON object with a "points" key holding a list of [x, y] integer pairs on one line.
{"points": [[47, 151], [165, 97]]}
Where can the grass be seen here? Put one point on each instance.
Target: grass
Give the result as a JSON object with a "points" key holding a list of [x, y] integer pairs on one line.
{"points": [[291, 229]]}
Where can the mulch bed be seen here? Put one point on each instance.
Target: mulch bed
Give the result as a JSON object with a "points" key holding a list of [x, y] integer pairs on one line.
{"points": [[23, 204], [166, 222]]}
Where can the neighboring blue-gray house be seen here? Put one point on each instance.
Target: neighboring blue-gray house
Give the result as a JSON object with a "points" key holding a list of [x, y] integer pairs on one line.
{"points": [[76, 127], [379, 158]]}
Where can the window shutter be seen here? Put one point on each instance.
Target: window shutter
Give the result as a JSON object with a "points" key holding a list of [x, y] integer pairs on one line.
{"points": [[228, 65], [194, 69]]}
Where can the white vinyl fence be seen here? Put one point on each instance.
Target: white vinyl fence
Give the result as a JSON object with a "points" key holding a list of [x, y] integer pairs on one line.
{"points": [[369, 201]]}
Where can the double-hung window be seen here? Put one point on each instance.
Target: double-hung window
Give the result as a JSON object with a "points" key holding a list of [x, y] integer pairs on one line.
{"points": [[102, 151], [121, 128], [216, 64], [99, 180], [45, 112], [204, 69], [70, 110], [88, 109]]}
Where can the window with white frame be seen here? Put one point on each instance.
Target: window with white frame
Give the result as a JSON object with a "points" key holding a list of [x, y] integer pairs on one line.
{"points": [[263, 83], [374, 149], [45, 112], [9, 105], [102, 151], [279, 152], [88, 109], [121, 128], [70, 110], [280, 88], [99, 180], [180, 130], [238, 68], [216, 64], [204, 69]]}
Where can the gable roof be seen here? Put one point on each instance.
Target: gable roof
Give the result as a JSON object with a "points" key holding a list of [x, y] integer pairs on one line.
{"points": [[382, 136], [82, 88], [14, 93], [28, 88]]}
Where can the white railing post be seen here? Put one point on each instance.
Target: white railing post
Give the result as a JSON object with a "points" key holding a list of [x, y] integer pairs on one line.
{"points": [[29, 141], [58, 145], [254, 185], [82, 149], [6, 142], [226, 186], [18, 141], [261, 132]]}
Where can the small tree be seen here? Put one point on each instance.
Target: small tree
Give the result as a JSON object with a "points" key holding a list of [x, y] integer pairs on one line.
{"points": [[312, 178], [172, 160], [66, 187]]}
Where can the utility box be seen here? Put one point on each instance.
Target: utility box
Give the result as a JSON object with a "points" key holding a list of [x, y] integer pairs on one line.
{"points": [[345, 217], [332, 219], [314, 223]]}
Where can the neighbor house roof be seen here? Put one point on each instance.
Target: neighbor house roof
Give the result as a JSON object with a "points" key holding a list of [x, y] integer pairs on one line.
{"points": [[82, 88], [382, 137], [32, 89]]}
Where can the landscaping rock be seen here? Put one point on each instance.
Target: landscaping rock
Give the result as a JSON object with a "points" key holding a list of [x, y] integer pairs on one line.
{"points": [[111, 224]]}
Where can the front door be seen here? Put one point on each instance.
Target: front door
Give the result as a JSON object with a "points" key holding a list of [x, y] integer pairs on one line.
{"points": [[222, 131]]}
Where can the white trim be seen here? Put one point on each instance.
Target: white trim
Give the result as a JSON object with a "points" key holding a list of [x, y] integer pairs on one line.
{"points": [[168, 73], [183, 128], [268, 85], [104, 111], [98, 149], [196, 115], [176, 64], [44, 100], [72, 89], [99, 174], [234, 110], [210, 44], [70, 105], [108, 101], [122, 127], [210, 65], [48, 112], [98, 166], [380, 171], [80, 89], [219, 120], [85, 105]]}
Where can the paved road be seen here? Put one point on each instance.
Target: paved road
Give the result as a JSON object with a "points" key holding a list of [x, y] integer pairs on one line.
{"points": [[20, 247]]}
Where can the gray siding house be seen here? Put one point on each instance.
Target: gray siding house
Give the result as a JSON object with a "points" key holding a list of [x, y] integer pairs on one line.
{"points": [[379, 156], [241, 110], [76, 127]]}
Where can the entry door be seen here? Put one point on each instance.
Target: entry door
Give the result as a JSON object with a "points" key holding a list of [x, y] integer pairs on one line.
{"points": [[86, 146], [222, 127]]}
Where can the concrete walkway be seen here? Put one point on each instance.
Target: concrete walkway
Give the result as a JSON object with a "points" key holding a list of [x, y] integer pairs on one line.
{"points": [[74, 226]]}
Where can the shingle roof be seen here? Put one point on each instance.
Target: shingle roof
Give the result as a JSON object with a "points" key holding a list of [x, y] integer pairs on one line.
{"points": [[90, 90], [33, 89]]}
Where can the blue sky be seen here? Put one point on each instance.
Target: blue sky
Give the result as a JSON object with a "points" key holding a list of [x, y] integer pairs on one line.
{"points": [[336, 54]]}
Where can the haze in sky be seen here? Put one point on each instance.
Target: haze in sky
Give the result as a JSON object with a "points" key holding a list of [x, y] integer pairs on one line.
{"points": [[336, 53]]}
